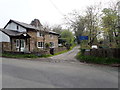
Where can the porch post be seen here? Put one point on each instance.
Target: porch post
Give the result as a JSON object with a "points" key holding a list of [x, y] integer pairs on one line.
{"points": [[29, 44], [11, 43], [20, 45], [26, 44]]}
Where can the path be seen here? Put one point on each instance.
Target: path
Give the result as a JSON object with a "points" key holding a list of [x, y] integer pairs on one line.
{"points": [[68, 56]]}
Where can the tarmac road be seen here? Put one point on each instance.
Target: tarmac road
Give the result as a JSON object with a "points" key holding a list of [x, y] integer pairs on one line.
{"points": [[18, 73]]}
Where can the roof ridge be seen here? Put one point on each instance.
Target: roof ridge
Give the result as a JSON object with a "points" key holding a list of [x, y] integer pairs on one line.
{"points": [[29, 26], [24, 24], [21, 22]]}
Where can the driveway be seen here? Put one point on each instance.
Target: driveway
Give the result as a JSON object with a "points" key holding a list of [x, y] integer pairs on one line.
{"points": [[44, 73], [67, 57]]}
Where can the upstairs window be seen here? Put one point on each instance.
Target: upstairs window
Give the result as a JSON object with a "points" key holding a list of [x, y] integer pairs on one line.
{"points": [[51, 36], [17, 27], [39, 34]]}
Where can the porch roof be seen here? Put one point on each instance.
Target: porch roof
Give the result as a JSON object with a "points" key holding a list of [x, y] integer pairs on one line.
{"points": [[13, 33]]}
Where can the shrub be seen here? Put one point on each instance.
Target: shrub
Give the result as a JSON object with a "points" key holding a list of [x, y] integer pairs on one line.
{"points": [[82, 51], [47, 45]]}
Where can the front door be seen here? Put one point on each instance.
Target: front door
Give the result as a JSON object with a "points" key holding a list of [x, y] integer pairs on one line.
{"points": [[22, 48], [20, 45]]}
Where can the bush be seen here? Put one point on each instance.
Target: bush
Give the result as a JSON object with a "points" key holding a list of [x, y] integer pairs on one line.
{"points": [[47, 45], [29, 56], [82, 51], [24, 55], [19, 55]]}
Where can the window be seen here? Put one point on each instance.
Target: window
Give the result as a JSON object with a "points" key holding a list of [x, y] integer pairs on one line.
{"points": [[51, 36], [40, 44], [17, 43], [17, 27], [39, 34], [22, 43]]}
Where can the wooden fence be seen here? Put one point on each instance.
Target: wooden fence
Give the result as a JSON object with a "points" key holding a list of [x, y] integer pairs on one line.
{"points": [[111, 52]]}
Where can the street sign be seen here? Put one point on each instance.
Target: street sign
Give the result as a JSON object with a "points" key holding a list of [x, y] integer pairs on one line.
{"points": [[83, 37]]}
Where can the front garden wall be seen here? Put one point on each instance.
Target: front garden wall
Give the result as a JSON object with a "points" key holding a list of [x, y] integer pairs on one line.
{"points": [[111, 52]]}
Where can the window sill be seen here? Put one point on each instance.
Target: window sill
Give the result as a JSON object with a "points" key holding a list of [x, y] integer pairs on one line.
{"points": [[39, 47], [40, 36]]}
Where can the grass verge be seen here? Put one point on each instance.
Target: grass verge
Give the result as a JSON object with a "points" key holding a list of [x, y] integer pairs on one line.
{"points": [[97, 60], [19, 55]]}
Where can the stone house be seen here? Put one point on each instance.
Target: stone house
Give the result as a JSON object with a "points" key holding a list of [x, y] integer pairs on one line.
{"points": [[21, 37]]}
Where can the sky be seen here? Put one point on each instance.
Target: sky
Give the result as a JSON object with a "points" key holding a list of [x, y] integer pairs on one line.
{"points": [[49, 12]]}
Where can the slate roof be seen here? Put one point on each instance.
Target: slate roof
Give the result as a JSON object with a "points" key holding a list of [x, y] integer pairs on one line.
{"points": [[28, 26], [52, 32], [12, 32]]}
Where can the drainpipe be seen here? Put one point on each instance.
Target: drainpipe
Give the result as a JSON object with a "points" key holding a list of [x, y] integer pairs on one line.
{"points": [[44, 39]]}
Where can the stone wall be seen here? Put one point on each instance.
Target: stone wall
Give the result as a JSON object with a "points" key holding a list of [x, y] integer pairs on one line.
{"points": [[59, 49], [0, 47], [33, 40], [110, 52], [47, 39], [5, 46], [53, 39]]}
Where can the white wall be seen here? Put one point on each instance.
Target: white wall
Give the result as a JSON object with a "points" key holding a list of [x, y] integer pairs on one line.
{"points": [[119, 9], [118, 4], [4, 37], [13, 26]]}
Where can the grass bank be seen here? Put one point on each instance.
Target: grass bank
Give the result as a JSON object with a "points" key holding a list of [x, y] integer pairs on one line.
{"points": [[97, 60], [23, 55]]}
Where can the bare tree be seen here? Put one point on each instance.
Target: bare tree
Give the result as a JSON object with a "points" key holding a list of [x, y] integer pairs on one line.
{"points": [[57, 28]]}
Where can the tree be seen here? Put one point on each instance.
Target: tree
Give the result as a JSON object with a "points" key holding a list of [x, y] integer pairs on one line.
{"points": [[67, 36], [87, 24], [110, 23], [92, 23], [79, 27], [96, 24], [57, 29], [77, 24]]}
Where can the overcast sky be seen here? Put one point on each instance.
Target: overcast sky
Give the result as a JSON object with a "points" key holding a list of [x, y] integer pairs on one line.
{"points": [[47, 11]]}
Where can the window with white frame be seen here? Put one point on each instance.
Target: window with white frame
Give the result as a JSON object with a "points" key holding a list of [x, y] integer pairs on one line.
{"points": [[39, 34], [40, 44], [17, 43], [23, 43]]}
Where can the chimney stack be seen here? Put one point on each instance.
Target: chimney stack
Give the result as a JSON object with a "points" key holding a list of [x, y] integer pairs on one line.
{"points": [[36, 23]]}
